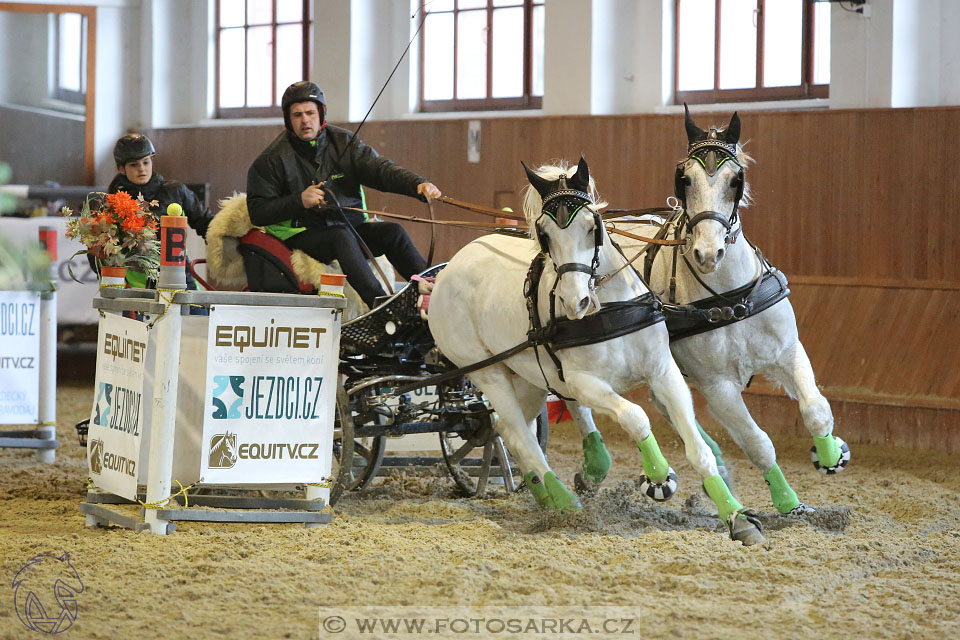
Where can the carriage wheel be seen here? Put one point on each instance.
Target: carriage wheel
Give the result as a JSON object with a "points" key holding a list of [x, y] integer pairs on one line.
{"points": [[366, 454], [482, 460], [343, 446]]}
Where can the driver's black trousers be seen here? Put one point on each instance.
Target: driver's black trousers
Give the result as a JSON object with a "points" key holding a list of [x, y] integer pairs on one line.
{"points": [[339, 243]]}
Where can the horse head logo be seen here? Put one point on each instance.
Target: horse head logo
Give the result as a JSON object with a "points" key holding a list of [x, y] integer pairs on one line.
{"points": [[95, 452], [223, 451], [45, 593]]}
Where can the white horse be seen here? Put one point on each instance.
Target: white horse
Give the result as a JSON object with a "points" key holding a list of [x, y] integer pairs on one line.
{"points": [[478, 309], [716, 347]]}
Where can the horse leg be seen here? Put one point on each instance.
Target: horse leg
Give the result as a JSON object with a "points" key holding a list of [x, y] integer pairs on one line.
{"points": [[499, 387], [722, 466], [658, 480], [726, 404], [673, 392], [596, 458], [830, 454]]}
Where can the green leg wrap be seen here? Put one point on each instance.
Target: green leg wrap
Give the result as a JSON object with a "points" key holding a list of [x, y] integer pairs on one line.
{"points": [[713, 445], [827, 450], [784, 498], [720, 494], [596, 458], [550, 493], [655, 466]]}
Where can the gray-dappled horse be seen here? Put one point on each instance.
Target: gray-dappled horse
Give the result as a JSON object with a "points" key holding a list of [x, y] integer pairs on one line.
{"points": [[727, 308], [479, 309]]}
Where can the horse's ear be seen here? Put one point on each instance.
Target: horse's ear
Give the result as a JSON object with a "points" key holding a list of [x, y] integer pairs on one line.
{"points": [[694, 132], [732, 134], [542, 185], [581, 179]]}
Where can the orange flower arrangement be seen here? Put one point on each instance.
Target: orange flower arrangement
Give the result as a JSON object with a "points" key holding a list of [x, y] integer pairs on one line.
{"points": [[118, 231]]}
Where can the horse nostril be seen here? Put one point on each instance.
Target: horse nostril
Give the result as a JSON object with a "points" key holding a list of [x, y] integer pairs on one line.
{"points": [[720, 253], [698, 256], [583, 304]]}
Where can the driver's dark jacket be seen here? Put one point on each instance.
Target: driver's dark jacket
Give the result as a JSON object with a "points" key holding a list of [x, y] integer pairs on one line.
{"points": [[289, 165]]}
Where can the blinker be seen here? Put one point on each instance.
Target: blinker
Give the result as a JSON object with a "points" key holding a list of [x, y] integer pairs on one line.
{"points": [[563, 205]]}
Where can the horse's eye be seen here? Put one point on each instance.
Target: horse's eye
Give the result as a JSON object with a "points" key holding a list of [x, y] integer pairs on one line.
{"points": [[687, 181], [735, 182]]}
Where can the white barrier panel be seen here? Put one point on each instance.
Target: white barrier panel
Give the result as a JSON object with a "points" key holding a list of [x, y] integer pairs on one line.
{"points": [[19, 357], [73, 298], [270, 395], [116, 420]]}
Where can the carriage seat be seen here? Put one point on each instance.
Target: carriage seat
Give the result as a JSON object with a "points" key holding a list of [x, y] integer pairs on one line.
{"points": [[240, 255]]}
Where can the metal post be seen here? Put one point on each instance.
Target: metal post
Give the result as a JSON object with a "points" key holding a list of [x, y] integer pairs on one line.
{"points": [[166, 369], [47, 409]]}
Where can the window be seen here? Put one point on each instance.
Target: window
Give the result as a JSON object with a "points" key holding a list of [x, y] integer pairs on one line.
{"points": [[70, 58], [481, 54], [263, 46], [738, 50]]}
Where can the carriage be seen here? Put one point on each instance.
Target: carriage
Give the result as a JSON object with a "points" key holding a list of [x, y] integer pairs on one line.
{"points": [[387, 349]]}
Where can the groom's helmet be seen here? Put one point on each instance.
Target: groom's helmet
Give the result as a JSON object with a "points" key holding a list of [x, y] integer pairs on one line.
{"points": [[130, 147]]}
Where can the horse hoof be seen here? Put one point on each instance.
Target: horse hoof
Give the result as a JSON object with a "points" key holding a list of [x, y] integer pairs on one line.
{"points": [[745, 527], [584, 487], [841, 463], [659, 491], [801, 510]]}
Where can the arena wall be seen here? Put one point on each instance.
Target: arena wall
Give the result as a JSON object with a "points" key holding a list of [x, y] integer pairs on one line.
{"points": [[856, 206]]}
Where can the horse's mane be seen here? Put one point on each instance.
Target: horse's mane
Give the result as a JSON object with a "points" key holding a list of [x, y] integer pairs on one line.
{"points": [[533, 203]]}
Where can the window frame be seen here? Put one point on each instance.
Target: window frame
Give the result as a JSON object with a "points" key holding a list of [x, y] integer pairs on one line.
{"points": [[805, 90], [306, 56], [58, 92], [526, 101]]}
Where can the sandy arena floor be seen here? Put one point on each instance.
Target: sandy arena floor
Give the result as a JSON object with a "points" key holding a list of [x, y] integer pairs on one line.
{"points": [[881, 559]]}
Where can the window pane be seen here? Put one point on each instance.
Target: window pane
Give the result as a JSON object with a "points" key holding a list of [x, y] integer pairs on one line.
{"points": [[259, 76], [695, 57], [508, 53], [439, 5], [536, 63], [259, 11], [438, 57], [472, 54], [471, 4], [821, 44], [231, 13], [290, 10], [738, 44], [289, 57], [782, 43], [231, 67], [70, 52], [507, 3]]}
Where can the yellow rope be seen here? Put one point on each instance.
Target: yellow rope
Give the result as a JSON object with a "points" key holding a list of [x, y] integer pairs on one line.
{"points": [[159, 504], [325, 483], [331, 294], [114, 286], [169, 301], [46, 424], [90, 484]]}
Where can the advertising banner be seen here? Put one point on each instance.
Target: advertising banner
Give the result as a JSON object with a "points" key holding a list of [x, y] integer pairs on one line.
{"points": [[19, 357], [270, 395], [117, 417]]}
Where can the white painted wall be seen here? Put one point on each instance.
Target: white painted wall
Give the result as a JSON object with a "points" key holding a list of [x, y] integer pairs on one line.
{"points": [[155, 59]]}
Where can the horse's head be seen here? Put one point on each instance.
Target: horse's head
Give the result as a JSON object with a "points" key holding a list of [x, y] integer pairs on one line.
{"points": [[710, 186], [560, 208]]}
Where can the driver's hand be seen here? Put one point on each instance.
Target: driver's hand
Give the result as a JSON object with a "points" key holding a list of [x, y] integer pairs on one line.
{"points": [[313, 196], [428, 190]]}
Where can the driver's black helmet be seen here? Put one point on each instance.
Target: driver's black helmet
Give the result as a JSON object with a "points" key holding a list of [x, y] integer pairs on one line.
{"points": [[301, 91], [132, 146]]}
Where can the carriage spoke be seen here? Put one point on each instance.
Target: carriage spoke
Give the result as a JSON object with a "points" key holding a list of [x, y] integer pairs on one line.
{"points": [[460, 453], [505, 468], [485, 468]]}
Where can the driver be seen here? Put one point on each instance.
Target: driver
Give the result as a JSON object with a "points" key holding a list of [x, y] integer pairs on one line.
{"points": [[296, 186]]}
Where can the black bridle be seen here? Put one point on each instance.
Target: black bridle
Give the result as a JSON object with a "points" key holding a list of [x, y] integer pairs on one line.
{"points": [[562, 206], [711, 153]]}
